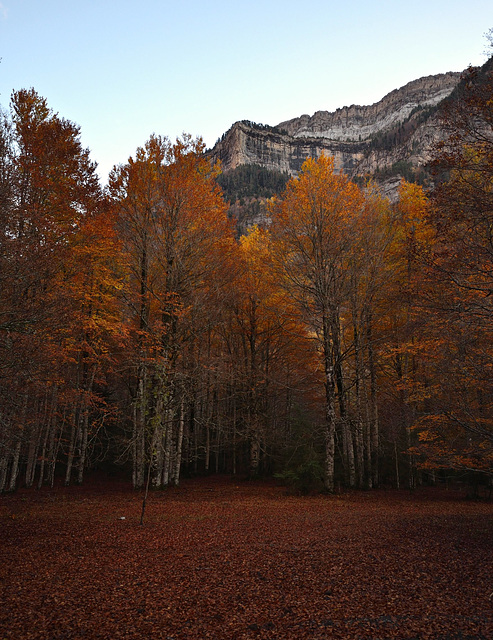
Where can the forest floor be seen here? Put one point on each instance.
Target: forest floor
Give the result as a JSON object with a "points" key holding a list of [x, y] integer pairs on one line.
{"points": [[218, 558]]}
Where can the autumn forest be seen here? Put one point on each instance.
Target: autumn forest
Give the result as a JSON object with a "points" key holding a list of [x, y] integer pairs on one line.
{"points": [[348, 343]]}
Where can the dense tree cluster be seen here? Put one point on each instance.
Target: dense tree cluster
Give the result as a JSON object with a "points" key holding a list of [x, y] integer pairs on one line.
{"points": [[251, 180], [349, 343]]}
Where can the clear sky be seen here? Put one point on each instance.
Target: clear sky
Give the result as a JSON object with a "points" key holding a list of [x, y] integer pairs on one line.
{"points": [[123, 70]]}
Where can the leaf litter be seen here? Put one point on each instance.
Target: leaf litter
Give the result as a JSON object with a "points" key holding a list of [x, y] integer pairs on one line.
{"points": [[231, 561]]}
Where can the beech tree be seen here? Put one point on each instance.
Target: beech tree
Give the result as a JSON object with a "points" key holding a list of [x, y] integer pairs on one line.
{"points": [[268, 349], [364, 334], [173, 224], [313, 231], [456, 428], [401, 325], [49, 191], [351, 329]]}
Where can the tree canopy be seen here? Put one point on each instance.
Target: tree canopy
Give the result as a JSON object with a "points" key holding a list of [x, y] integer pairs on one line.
{"points": [[346, 341]]}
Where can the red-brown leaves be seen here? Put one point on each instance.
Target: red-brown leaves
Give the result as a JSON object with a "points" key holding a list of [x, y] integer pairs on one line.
{"points": [[222, 560]]}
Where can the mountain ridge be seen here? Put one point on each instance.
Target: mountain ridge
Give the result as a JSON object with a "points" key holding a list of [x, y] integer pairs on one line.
{"points": [[397, 131], [336, 125]]}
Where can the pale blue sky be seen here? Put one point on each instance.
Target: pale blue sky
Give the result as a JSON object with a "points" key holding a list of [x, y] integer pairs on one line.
{"points": [[123, 70]]}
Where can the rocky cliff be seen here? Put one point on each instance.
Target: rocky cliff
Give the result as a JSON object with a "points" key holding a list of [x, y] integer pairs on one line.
{"points": [[385, 138], [363, 123], [270, 147]]}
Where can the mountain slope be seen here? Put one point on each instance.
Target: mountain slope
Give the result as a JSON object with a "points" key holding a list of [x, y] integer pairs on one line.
{"points": [[388, 138]]}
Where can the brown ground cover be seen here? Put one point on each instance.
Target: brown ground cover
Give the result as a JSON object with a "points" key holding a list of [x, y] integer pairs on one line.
{"points": [[227, 560]]}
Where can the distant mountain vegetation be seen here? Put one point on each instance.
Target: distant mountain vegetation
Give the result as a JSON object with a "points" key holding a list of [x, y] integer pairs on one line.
{"points": [[400, 134], [247, 189], [385, 142], [251, 181]]}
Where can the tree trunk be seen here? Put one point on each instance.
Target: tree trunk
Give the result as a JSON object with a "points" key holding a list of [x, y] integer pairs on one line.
{"points": [[207, 447], [43, 454], [360, 452], [396, 459], [347, 440], [34, 442], [156, 455], [74, 434], [139, 430], [179, 444], [168, 447], [373, 401], [14, 470], [56, 430], [83, 446], [85, 428], [3, 471], [330, 413]]}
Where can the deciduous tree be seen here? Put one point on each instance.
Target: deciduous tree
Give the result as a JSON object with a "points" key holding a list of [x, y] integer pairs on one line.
{"points": [[49, 192], [174, 229], [313, 226]]}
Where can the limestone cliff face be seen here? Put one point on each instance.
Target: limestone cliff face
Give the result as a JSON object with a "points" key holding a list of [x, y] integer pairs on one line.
{"points": [[362, 123], [362, 139], [247, 144]]}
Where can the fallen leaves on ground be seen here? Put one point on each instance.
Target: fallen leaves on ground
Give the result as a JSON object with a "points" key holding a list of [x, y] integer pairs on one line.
{"points": [[226, 560]]}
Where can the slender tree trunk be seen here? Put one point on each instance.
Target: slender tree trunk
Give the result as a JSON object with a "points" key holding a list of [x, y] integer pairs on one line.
{"points": [[172, 451], [168, 449], [360, 453], [134, 446], [179, 444], [158, 437], [207, 447], [85, 428], [146, 493], [57, 433], [374, 430], [14, 469], [396, 459], [254, 415], [347, 439], [31, 455], [83, 445], [218, 444], [411, 465], [140, 428], [34, 442], [368, 442], [195, 443], [4, 463], [234, 435], [254, 455], [43, 454], [350, 453], [330, 413], [74, 434]]}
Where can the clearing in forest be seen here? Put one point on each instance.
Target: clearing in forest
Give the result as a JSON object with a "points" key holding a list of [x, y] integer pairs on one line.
{"points": [[218, 558]]}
